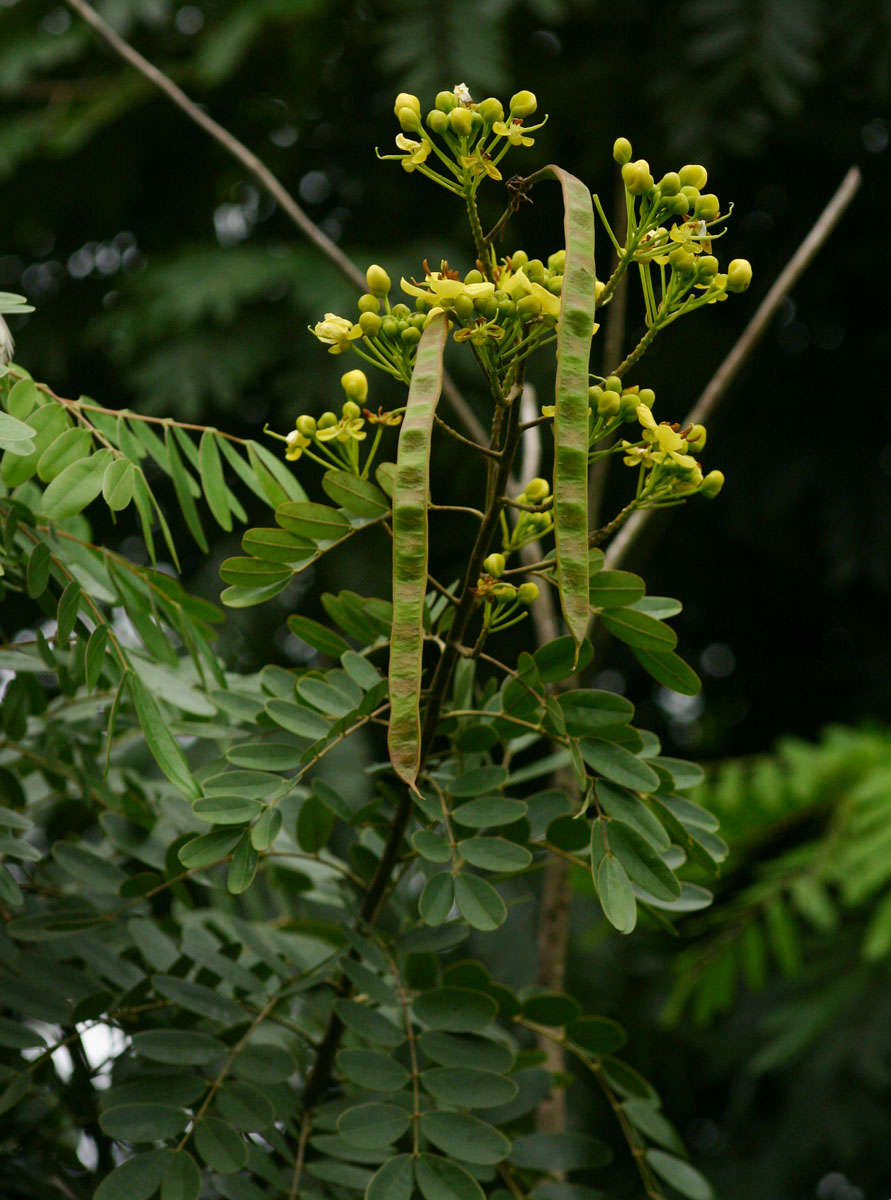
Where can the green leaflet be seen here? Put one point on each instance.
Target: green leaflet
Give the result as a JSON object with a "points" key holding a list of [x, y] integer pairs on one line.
{"points": [[410, 551], [571, 418]]}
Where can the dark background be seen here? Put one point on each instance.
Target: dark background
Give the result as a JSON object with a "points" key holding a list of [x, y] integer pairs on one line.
{"points": [[166, 282]]}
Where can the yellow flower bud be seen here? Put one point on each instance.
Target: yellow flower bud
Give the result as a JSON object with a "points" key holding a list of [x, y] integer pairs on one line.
{"points": [[608, 404], [355, 385], [707, 207], [557, 262], [409, 120], [691, 192], [696, 436], [518, 260], [351, 411], [378, 280], [437, 121], [647, 397], [613, 384], [706, 267], [622, 151], [461, 121], [410, 336], [670, 183], [504, 591], [528, 307], [464, 307], [712, 484], [445, 101], [681, 260], [306, 425], [407, 100], [326, 420], [679, 205], [535, 270], [636, 177], [523, 104], [527, 593], [370, 323], [537, 489], [495, 565], [599, 289], [474, 277], [368, 303], [694, 175], [491, 110], [739, 275]]}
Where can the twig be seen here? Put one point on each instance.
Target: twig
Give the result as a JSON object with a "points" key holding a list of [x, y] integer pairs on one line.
{"points": [[305, 1126], [752, 334], [461, 438], [260, 172]]}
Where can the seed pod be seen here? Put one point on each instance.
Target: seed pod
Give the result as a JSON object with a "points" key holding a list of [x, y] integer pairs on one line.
{"points": [[410, 549]]}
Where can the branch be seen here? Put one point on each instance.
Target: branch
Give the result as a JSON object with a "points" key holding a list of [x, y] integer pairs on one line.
{"points": [[725, 375], [260, 172]]}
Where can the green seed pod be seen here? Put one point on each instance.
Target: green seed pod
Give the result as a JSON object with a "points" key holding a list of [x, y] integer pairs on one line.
{"points": [[437, 121], [707, 207], [400, 311], [523, 104], [445, 101], [647, 397], [696, 436], [554, 284], [473, 276], [739, 275], [378, 280], [390, 327], [670, 183], [407, 100], [464, 307], [537, 489], [636, 177], [409, 120], [495, 565], [518, 260], [712, 484], [557, 262], [535, 270], [369, 303], [410, 336], [461, 121], [706, 267], [491, 110], [351, 410], [370, 322], [622, 151], [326, 420], [694, 175], [613, 384], [306, 425], [355, 386], [528, 307], [681, 260], [527, 593]]}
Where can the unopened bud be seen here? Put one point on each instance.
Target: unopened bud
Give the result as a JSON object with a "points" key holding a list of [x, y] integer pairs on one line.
{"points": [[557, 262], [473, 276], [370, 323], [350, 410], [647, 397], [613, 384], [306, 425], [608, 404], [389, 326], [369, 303], [378, 280], [739, 275], [445, 101], [706, 267], [504, 591], [491, 110], [495, 565], [409, 120], [712, 484], [622, 151], [679, 205], [410, 336], [437, 120], [694, 175], [326, 420], [537, 489], [707, 207], [691, 192], [670, 183], [461, 121], [463, 306], [407, 100], [636, 177], [681, 260], [535, 270], [527, 593], [696, 436], [518, 260], [528, 307], [355, 385], [523, 104]]}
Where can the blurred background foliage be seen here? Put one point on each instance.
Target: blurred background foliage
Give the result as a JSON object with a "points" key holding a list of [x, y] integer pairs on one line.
{"points": [[166, 282]]}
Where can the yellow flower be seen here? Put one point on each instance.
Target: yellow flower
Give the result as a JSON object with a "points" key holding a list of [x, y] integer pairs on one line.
{"points": [[548, 410], [523, 286], [336, 333], [415, 152], [437, 286], [513, 131], [480, 164], [382, 418], [480, 332], [296, 444], [670, 444]]}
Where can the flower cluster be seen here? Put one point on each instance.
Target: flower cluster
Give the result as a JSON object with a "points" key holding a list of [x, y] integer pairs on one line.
{"points": [[503, 601], [466, 139], [672, 225], [334, 441], [665, 456]]}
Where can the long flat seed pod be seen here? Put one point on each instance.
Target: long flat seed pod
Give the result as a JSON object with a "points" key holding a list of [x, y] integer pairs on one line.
{"points": [[571, 418], [410, 552]]}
